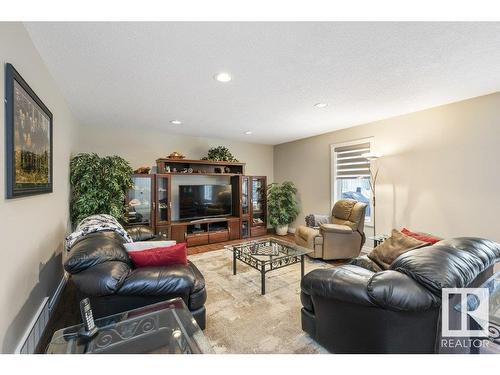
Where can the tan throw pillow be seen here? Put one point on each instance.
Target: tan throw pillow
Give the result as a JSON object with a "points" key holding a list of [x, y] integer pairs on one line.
{"points": [[387, 252]]}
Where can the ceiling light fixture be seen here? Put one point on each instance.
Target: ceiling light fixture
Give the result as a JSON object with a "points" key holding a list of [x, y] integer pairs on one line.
{"points": [[321, 105], [248, 132], [223, 77], [176, 122]]}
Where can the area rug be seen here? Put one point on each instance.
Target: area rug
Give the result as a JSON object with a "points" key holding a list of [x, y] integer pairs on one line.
{"points": [[241, 320]]}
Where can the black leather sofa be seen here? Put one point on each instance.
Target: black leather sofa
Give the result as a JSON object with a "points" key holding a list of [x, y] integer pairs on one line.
{"points": [[101, 270], [358, 308]]}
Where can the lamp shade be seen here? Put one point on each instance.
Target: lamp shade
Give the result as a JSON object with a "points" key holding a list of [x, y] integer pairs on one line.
{"points": [[371, 156]]}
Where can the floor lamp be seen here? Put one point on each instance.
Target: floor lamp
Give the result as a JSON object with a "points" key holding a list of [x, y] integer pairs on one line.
{"points": [[372, 157]]}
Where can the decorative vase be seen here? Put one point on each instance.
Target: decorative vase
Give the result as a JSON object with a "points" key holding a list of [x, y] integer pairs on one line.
{"points": [[282, 230]]}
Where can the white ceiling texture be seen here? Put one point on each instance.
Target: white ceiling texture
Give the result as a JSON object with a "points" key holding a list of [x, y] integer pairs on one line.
{"points": [[143, 75]]}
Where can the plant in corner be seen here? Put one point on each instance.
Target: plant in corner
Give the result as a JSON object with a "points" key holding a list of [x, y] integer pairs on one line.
{"points": [[282, 205], [99, 186], [220, 153]]}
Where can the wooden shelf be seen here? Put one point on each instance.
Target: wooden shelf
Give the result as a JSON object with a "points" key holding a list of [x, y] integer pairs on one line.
{"points": [[206, 167], [205, 162], [201, 174]]}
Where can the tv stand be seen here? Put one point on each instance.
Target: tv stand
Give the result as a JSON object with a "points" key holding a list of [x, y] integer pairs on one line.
{"points": [[206, 231]]}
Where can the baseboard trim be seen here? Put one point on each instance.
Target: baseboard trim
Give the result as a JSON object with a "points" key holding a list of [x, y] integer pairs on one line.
{"points": [[57, 294]]}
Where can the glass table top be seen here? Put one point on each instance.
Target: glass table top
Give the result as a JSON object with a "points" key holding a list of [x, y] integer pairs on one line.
{"points": [[166, 327], [493, 286], [268, 249]]}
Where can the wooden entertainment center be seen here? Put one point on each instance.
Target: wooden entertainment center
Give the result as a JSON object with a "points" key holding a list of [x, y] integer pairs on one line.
{"points": [[150, 203]]}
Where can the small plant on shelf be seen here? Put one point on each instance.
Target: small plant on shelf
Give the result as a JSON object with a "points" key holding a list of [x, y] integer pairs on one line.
{"points": [[99, 186], [220, 153], [282, 205]]}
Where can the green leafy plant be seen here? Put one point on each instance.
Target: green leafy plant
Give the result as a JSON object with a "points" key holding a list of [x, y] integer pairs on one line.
{"points": [[220, 153], [282, 203], [99, 186]]}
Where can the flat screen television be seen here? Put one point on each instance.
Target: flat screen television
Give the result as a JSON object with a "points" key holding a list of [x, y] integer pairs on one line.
{"points": [[204, 201]]}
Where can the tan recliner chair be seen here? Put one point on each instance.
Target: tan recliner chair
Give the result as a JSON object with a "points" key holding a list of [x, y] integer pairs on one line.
{"points": [[342, 238]]}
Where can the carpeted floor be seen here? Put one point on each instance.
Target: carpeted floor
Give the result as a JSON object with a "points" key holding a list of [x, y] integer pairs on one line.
{"points": [[241, 320]]}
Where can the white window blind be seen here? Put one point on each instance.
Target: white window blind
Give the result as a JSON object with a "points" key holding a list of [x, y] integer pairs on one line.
{"points": [[349, 162]]}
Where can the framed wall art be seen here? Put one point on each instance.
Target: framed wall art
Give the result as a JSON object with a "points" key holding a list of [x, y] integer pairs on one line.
{"points": [[29, 142]]}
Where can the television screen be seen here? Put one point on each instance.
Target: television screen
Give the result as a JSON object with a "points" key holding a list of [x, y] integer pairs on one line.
{"points": [[201, 201]]}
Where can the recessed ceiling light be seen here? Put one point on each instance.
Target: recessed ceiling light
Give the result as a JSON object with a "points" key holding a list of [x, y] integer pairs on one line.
{"points": [[176, 122], [223, 77], [321, 105], [248, 132]]}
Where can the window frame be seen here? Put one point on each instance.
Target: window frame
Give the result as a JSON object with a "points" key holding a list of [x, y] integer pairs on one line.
{"points": [[333, 172]]}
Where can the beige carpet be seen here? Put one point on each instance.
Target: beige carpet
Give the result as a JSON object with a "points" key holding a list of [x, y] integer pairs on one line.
{"points": [[241, 320]]}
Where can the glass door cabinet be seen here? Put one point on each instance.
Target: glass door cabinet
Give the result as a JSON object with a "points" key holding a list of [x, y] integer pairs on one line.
{"points": [[140, 201], [258, 206]]}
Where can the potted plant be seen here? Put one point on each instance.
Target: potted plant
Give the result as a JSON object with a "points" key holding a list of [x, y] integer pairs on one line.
{"points": [[220, 153], [99, 186], [282, 205]]}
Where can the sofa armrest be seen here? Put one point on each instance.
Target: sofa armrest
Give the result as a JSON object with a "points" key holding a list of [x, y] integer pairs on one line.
{"points": [[335, 228], [395, 291], [344, 283], [157, 281]]}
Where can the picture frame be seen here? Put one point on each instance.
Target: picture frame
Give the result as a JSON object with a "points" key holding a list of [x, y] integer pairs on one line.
{"points": [[29, 139]]}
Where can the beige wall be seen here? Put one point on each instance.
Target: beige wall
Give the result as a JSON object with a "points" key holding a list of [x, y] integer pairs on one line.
{"points": [[142, 147], [32, 228], [440, 172]]}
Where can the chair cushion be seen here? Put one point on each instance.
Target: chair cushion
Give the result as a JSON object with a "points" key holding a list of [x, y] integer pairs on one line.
{"points": [[336, 228], [393, 247], [342, 209], [452, 263]]}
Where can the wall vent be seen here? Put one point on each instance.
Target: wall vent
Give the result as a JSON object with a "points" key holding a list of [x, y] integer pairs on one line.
{"points": [[35, 329]]}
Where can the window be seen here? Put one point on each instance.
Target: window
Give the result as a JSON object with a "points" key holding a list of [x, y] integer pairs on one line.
{"points": [[351, 172]]}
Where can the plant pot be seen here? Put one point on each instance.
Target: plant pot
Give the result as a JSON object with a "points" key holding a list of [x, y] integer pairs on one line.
{"points": [[282, 230]]}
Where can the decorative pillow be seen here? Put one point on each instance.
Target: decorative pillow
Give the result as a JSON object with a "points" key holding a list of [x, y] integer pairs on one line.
{"points": [[160, 256], [393, 247], [421, 236], [144, 245]]}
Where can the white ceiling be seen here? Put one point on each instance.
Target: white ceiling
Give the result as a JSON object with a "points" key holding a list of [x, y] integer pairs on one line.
{"points": [[142, 75]]}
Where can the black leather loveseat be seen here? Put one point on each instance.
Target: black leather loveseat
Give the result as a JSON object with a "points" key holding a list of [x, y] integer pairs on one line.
{"points": [[102, 271], [352, 309]]}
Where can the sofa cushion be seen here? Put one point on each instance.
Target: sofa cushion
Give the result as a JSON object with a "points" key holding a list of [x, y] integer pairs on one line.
{"points": [[385, 253], [94, 249], [452, 263]]}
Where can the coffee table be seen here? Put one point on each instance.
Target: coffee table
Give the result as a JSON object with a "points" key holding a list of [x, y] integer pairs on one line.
{"points": [[267, 255], [166, 327]]}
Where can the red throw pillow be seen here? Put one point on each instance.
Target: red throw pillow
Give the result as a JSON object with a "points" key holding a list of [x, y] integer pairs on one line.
{"points": [[421, 236], [160, 256]]}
